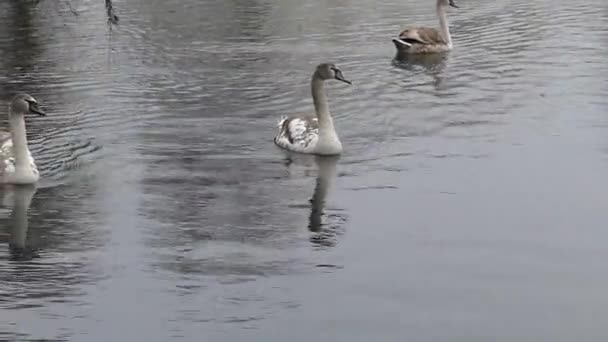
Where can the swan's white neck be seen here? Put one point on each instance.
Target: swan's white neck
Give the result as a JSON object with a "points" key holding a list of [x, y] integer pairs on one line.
{"points": [[328, 143], [321, 106], [20, 148], [444, 25]]}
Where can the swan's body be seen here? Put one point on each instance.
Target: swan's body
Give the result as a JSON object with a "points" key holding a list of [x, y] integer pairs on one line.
{"points": [[313, 134], [426, 39], [16, 163]]}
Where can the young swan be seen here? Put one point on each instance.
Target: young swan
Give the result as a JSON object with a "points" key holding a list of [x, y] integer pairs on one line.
{"points": [[426, 39], [16, 163], [313, 134]]}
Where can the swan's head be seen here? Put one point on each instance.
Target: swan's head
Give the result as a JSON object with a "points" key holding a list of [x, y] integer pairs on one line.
{"points": [[446, 3], [329, 71], [25, 104]]}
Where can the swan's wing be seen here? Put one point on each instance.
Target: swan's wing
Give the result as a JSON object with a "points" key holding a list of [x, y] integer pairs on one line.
{"points": [[7, 160], [6, 146], [298, 133], [422, 35], [7, 156]]}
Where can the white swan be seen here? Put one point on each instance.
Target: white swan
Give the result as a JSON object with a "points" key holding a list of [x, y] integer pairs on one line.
{"points": [[426, 39], [313, 134], [16, 163]]}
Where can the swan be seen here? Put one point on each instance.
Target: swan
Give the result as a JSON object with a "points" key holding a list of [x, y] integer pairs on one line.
{"points": [[16, 163], [426, 39], [313, 134]]}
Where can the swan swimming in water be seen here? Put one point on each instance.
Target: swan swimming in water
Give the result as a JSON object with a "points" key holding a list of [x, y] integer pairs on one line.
{"points": [[426, 39], [313, 134], [17, 165]]}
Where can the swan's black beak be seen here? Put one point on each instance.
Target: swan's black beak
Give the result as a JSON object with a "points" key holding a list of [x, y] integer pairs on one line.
{"points": [[35, 109], [453, 4], [340, 77]]}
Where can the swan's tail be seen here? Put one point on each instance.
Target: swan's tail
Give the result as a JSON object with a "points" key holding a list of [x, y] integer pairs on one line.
{"points": [[401, 44]]}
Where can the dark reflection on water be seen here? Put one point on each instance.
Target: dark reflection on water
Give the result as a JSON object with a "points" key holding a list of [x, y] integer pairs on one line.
{"points": [[324, 227], [238, 221], [49, 255], [432, 64], [470, 192], [20, 198]]}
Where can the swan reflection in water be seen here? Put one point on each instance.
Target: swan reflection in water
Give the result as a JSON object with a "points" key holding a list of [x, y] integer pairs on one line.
{"points": [[17, 199], [324, 227], [433, 64]]}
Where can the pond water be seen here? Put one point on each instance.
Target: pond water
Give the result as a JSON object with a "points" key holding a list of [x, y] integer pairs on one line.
{"points": [[469, 203]]}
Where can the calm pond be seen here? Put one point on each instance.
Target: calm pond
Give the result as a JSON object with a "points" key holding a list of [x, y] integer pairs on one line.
{"points": [[469, 203]]}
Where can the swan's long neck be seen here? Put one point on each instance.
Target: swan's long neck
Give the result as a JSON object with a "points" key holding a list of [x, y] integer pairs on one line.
{"points": [[321, 106], [20, 148], [444, 25]]}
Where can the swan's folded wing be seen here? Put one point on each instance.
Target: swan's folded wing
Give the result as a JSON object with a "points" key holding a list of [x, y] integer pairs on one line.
{"points": [[298, 133], [6, 152], [7, 156], [422, 35], [6, 145]]}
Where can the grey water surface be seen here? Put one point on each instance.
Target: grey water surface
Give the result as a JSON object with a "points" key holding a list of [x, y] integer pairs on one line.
{"points": [[469, 204]]}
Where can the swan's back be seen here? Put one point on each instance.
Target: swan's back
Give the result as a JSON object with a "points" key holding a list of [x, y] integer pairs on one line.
{"points": [[423, 35]]}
